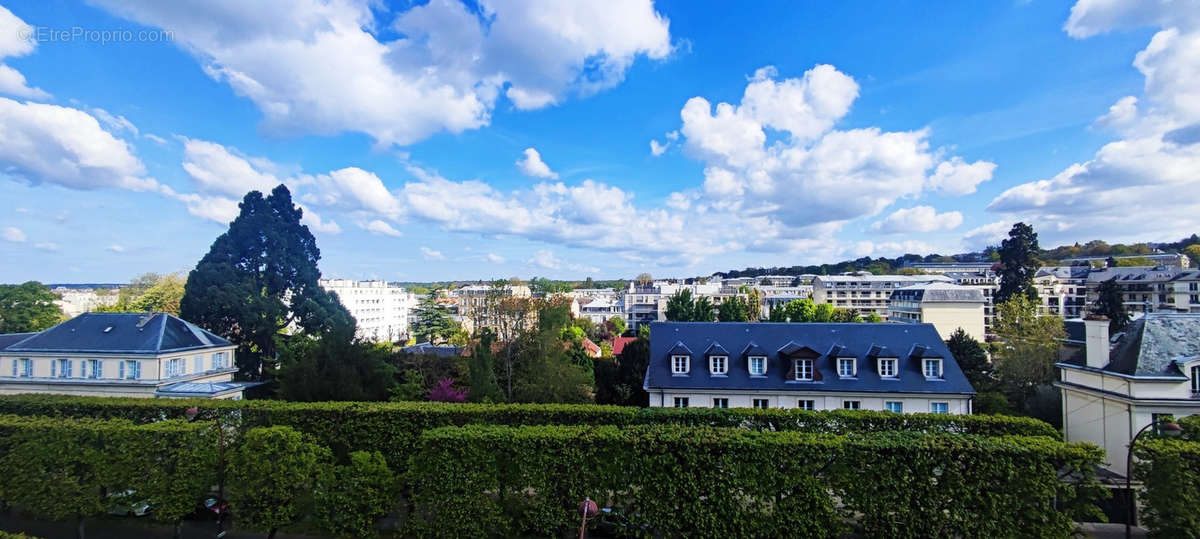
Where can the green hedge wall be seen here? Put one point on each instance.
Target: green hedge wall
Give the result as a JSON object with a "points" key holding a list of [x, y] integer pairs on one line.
{"points": [[1170, 471], [71, 469], [719, 482], [393, 429]]}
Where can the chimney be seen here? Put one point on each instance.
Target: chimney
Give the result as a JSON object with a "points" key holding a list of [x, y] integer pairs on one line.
{"points": [[1096, 340]]}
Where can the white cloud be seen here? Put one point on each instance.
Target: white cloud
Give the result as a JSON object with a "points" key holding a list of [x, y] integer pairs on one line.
{"points": [[957, 177], [495, 258], [13, 234], [431, 254], [544, 258], [532, 165], [380, 227], [15, 40], [47, 246], [115, 124], [323, 68], [116, 248], [918, 219], [66, 146], [657, 149], [990, 234], [155, 139], [1134, 187], [218, 170]]}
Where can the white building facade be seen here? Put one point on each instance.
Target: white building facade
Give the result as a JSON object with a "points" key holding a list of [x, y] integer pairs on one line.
{"points": [[380, 309], [864, 292]]}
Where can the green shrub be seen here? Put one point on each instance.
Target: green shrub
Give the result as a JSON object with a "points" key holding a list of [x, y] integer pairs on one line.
{"points": [[351, 498], [1170, 471], [393, 428], [68, 468], [710, 482], [272, 473]]}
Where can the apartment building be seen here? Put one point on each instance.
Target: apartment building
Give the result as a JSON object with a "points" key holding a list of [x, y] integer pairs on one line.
{"points": [[865, 292], [120, 355], [380, 309], [1062, 290], [473, 302], [599, 310], [1161, 259], [1184, 292], [943, 268], [646, 304], [1144, 288], [947, 306], [76, 301], [900, 368], [1114, 386]]}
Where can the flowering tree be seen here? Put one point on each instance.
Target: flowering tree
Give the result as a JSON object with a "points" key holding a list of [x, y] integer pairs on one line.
{"points": [[444, 391]]}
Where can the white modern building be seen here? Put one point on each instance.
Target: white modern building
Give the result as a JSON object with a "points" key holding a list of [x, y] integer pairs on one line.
{"points": [[865, 292], [1112, 386], [646, 304], [946, 306], [599, 310], [120, 355], [900, 368], [76, 301], [380, 309]]}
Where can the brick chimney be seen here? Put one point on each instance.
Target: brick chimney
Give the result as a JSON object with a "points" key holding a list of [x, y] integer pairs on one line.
{"points": [[1096, 340]]}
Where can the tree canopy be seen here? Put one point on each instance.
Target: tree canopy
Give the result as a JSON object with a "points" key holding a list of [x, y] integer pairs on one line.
{"points": [[149, 292], [1018, 263], [260, 277], [683, 307], [432, 320], [27, 307], [1025, 355], [1110, 302]]}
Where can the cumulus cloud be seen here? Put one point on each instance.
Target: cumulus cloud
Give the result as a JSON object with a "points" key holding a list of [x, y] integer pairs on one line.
{"points": [[658, 148], [545, 259], [324, 69], [66, 146], [218, 170], [533, 166], [380, 227], [495, 258], [1132, 186], [15, 41], [918, 219], [957, 177], [987, 235], [13, 234], [431, 254]]}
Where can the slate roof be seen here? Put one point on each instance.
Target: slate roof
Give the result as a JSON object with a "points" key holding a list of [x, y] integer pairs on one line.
{"points": [[852, 340], [939, 293], [433, 349], [9, 339], [202, 389], [1151, 345], [1127, 274], [120, 333]]}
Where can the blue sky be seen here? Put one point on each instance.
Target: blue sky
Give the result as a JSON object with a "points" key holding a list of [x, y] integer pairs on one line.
{"points": [[442, 140]]}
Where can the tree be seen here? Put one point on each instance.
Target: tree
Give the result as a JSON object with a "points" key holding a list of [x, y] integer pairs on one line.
{"points": [[680, 306], [316, 369], [1025, 356], [732, 310], [972, 359], [444, 391], [149, 292], [631, 370], [27, 307], [1111, 303], [271, 476], [702, 310], [823, 313], [1193, 252], [874, 318], [433, 322], [589, 283], [617, 325], [542, 370], [260, 277], [482, 365], [644, 279], [1018, 264], [350, 498]]}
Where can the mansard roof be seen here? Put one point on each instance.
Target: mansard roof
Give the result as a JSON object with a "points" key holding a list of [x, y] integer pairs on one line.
{"points": [[119, 333]]}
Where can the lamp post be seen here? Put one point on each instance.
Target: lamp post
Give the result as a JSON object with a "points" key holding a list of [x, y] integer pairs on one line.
{"points": [[1167, 428]]}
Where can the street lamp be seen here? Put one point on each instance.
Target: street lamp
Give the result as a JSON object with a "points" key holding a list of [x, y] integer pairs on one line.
{"points": [[1165, 427]]}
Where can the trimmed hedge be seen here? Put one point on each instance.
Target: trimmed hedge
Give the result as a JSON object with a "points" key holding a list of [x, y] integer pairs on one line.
{"points": [[719, 482], [394, 429], [75, 468], [1170, 471]]}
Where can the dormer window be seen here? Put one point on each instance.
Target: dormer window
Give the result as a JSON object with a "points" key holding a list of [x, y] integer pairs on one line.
{"points": [[804, 369], [887, 367], [847, 367], [758, 365], [933, 368], [680, 364], [718, 365]]}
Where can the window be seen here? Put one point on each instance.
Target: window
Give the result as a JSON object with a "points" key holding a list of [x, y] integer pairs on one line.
{"points": [[762, 403], [852, 405], [887, 367], [22, 368], [1196, 379], [718, 364], [679, 364], [95, 368], [130, 370], [60, 368], [758, 365], [939, 407], [681, 402], [720, 403], [198, 364], [847, 367], [894, 406], [804, 369], [806, 404], [933, 368], [218, 360]]}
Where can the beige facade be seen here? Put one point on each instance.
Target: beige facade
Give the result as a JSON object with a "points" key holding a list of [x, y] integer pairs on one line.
{"points": [[114, 375], [946, 306]]}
